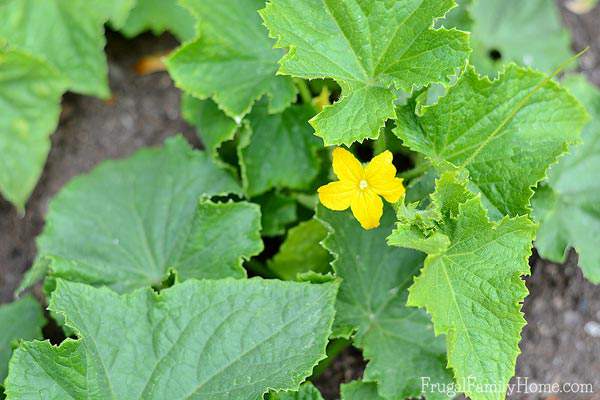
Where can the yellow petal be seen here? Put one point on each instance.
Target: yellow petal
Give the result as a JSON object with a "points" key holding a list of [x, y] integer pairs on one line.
{"points": [[390, 189], [381, 167], [337, 195], [346, 167], [367, 207]]}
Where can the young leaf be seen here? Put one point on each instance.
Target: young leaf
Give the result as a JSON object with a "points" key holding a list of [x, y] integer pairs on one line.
{"points": [[20, 320], [398, 341], [471, 283], [212, 125], [301, 252], [504, 132], [307, 392], [529, 33], [126, 224], [68, 34], [370, 48], [232, 60], [219, 340], [278, 150], [277, 211], [569, 207], [359, 390], [30, 92], [159, 16]]}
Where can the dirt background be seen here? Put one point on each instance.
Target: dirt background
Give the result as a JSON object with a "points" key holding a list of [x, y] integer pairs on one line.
{"points": [[561, 342]]}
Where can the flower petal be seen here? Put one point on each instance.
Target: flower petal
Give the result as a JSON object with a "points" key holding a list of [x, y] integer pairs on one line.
{"points": [[391, 189], [380, 167], [338, 195], [367, 207], [346, 167]]}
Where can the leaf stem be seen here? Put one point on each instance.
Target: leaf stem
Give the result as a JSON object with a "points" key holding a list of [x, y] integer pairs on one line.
{"points": [[304, 90], [419, 170]]}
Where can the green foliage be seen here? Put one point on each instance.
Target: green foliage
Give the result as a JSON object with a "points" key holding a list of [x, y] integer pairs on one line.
{"points": [[277, 211], [129, 222], [21, 320], [301, 252], [226, 339], [359, 390], [292, 163], [504, 132], [471, 283], [371, 49], [232, 59], [529, 33], [30, 92], [397, 341], [569, 207], [159, 16], [307, 392]]}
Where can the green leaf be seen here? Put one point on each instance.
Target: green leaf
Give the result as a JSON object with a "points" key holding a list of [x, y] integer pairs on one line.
{"points": [[277, 211], [359, 390], [569, 208], [398, 341], [219, 340], [307, 392], [278, 150], [370, 48], [529, 33], [127, 223], [212, 125], [232, 59], [69, 34], [504, 132], [20, 320], [471, 285], [30, 92], [301, 252], [159, 16], [459, 17]]}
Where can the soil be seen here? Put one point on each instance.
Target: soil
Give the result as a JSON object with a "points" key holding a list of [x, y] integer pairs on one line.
{"points": [[561, 342]]}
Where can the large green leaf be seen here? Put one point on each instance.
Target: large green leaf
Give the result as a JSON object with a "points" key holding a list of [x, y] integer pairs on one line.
{"points": [[278, 150], [129, 222], [20, 320], [398, 341], [529, 33], [212, 125], [159, 16], [218, 340], [471, 283], [232, 60], [30, 92], [359, 390], [504, 132], [370, 48], [569, 207], [67, 33], [301, 251]]}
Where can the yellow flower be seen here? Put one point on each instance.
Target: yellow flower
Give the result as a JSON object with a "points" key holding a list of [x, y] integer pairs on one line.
{"points": [[359, 187]]}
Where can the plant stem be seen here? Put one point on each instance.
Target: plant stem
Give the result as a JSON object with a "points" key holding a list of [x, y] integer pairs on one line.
{"points": [[415, 172], [304, 90]]}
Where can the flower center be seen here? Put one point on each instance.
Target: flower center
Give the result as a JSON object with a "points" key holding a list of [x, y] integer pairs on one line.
{"points": [[363, 184]]}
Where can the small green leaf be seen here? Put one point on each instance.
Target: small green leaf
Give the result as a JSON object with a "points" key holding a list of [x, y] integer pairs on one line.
{"points": [[218, 340], [359, 390], [278, 150], [472, 285], [212, 125], [397, 341], [128, 222], [68, 34], [159, 16], [232, 59], [370, 48], [277, 212], [529, 33], [20, 320], [506, 133], [301, 252], [569, 207], [30, 92]]}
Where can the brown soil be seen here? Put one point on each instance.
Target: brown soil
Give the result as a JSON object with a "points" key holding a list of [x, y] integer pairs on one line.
{"points": [[557, 346]]}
